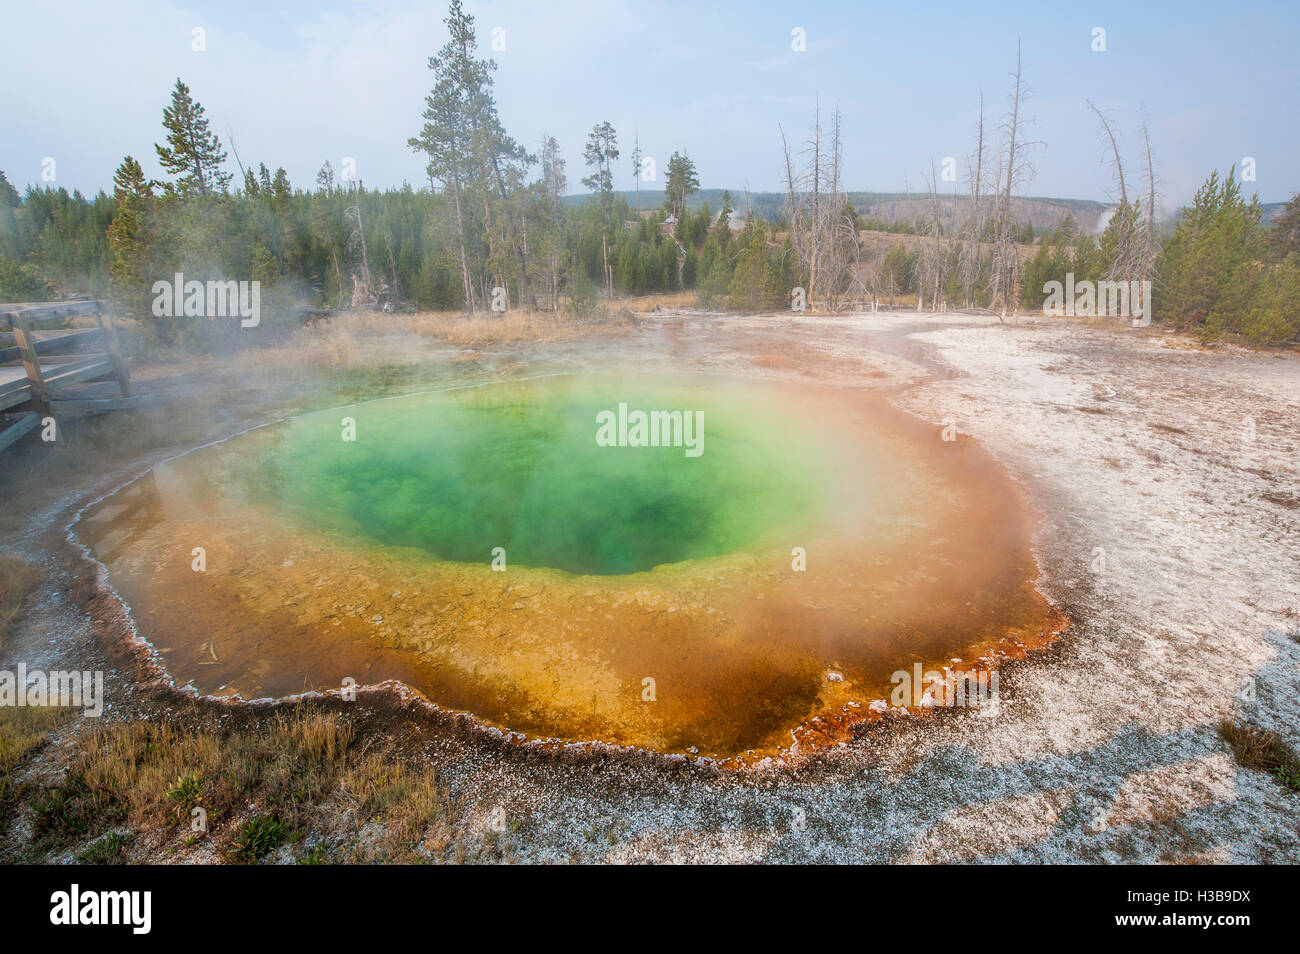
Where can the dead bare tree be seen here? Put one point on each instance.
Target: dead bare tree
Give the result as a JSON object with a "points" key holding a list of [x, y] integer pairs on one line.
{"points": [[1130, 241], [1122, 264], [816, 190], [1149, 248], [939, 252], [821, 227], [1006, 254], [831, 229], [972, 233], [917, 266], [864, 274], [838, 246], [793, 200], [357, 239]]}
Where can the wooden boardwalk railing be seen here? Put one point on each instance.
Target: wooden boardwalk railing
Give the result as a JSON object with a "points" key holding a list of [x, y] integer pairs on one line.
{"points": [[35, 371]]}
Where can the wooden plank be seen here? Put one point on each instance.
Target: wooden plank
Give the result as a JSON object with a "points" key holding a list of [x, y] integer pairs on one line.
{"points": [[63, 375], [14, 380], [11, 398], [53, 344], [17, 428], [43, 310], [60, 365], [15, 388], [93, 405]]}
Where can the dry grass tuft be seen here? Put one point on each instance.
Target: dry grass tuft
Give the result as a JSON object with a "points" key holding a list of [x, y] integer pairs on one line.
{"points": [[321, 736], [23, 730], [677, 301], [17, 579], [510, 328], [1261, 749]]}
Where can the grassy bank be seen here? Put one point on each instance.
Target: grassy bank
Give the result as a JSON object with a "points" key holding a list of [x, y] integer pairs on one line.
{"points": [[296, 788]]}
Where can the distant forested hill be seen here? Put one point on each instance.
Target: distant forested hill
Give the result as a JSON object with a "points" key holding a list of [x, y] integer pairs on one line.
{"points": [[888, 207]]}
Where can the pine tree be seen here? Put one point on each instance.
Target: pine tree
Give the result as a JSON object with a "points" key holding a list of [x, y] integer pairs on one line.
{"points": [[601, 150], [755, 284], [1215, 277], [1037, 272], [549, 212], [18, 281], [280, 188], [1200, 264], [471, 154], [193, 152], [682, 182], [10, 241], [1284, 235], [445, 136], [723, 227], [128, 237], [636, 170], [325, 178]]}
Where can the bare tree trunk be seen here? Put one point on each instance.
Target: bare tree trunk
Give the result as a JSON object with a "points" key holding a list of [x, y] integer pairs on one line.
{"points": [[360, 235], [842, 248], [940, 243], [464, 260], [1148, 256], [792, 198], [1004, 269], [816, 222], [338, 272], [1123, 264], [920, 272], [1011, 166], [392, 264], [604, 254], [525, 292], [974, 230], [493, 262]]}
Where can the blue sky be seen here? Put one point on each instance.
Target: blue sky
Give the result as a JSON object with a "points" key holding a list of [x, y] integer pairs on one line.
{"points": [[301, 82]]}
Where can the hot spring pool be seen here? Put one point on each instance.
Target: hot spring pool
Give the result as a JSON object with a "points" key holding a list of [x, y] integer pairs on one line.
{"points": [[499, 552]]}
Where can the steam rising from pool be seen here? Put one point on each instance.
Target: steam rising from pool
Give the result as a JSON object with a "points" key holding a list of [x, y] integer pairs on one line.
{"points": [[485, 548]]}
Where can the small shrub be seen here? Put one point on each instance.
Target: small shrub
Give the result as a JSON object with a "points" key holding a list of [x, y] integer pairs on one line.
{"points": [[257, 838], [584, 297], [186, 792], [316, 855]]}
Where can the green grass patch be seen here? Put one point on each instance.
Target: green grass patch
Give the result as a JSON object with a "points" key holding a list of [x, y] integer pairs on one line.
{"points": [[109, 850]]}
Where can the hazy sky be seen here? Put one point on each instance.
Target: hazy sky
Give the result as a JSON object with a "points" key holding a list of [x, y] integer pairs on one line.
{"points": [[301, 82]]}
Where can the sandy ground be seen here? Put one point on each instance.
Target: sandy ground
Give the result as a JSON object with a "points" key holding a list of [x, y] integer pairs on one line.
{"points": [[1169, 482]]}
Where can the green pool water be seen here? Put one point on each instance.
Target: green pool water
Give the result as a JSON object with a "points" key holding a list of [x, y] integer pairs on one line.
{"points": [[518, 466]]}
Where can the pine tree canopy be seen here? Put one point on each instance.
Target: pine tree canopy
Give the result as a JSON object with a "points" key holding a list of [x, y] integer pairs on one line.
{"points": [[193, 152]]}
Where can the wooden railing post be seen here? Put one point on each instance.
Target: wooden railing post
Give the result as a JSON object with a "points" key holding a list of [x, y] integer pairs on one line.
{"points": [[114, 349], [31, 361]]}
